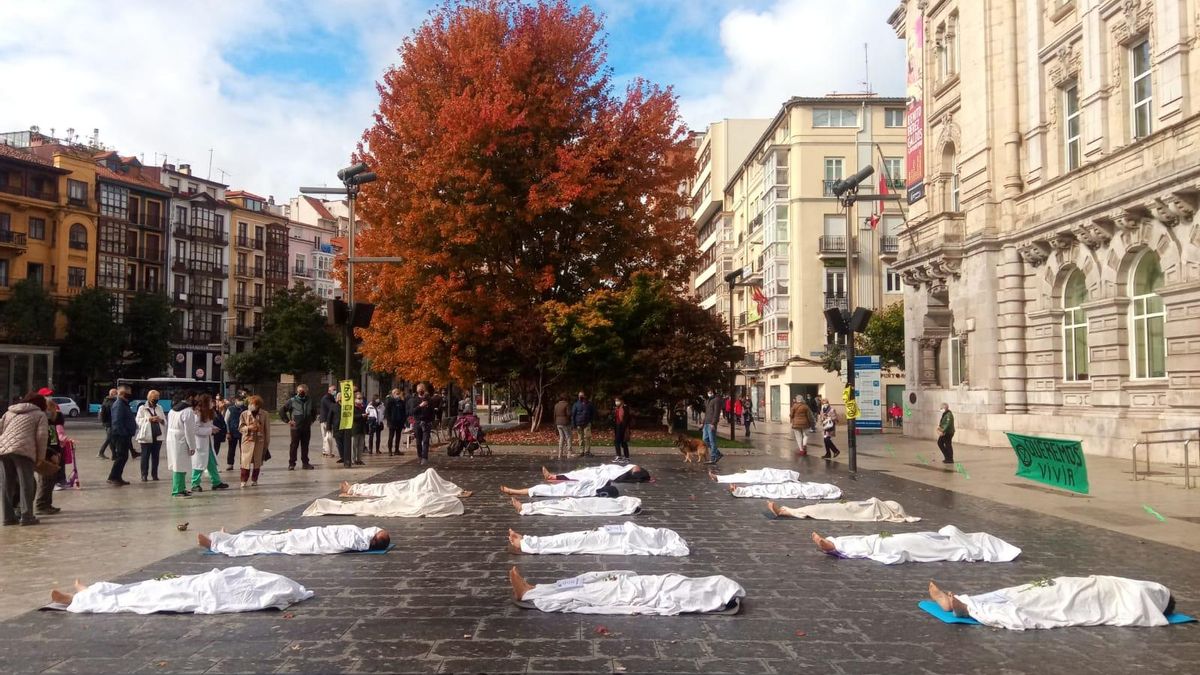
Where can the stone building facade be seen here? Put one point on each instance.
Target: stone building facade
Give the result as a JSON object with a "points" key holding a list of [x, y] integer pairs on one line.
{"points": [[1051, 257]]}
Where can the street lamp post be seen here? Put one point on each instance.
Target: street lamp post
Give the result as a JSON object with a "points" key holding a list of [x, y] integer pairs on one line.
{"points": [[732, 280]]}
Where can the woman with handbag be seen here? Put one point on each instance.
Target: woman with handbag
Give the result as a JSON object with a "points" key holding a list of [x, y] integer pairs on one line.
{"points": [[255, 427], [24, 434], [150, 427], [829, 429]]}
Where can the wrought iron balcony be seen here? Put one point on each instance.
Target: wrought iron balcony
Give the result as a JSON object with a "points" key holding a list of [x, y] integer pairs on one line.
{"points": [[832, 244]]}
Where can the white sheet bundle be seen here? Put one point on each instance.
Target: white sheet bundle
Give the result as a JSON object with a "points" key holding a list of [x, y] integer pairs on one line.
{"points": [[304, 541], [625, 592], [234, 589], [624, 539], [947, 544], [571, 488], [427, 495], [760, 477], [867, 510], [582, 506], [604, 472], [789, 490], [1072, 601], [429, 481]]}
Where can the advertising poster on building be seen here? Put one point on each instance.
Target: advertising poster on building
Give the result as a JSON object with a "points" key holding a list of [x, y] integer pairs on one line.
{"points": [[915, 115], [869, 383]]}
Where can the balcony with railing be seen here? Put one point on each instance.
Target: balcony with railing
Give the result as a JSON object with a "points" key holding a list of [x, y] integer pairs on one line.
{"points": [[889, 246], [242, 300], [182, 300], [183, 231], [258, 300], [258, 243], [242, 270], [827, 187], [896, 184], [243, 331], [207, 268], [302, 272], [751, 361], [243, 241], [13, 240], [837, 300], [149, 254], [258, 272], [831, 245], [201, 336], [149, 222]]}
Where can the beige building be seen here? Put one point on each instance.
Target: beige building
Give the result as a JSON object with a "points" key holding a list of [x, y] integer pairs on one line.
{"points": [[788, 234], [1052, 258]]}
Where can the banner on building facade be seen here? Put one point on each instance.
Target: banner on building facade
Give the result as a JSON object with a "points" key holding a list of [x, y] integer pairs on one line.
{"points": [[1052, 461], [914, 169], [868, 383], [346, 389]]}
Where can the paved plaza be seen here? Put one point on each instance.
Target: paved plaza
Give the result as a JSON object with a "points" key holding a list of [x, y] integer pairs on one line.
{"points": [[439, 601]]}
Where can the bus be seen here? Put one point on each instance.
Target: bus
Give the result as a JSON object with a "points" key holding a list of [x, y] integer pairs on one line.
{"points": [[168, 388]]}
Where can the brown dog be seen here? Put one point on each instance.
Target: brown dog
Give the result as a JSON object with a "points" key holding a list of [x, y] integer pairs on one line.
{"points": [[691, 446]]}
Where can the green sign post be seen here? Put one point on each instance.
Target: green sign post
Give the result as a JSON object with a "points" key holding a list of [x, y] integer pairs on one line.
{"points": [[1052, 461]]}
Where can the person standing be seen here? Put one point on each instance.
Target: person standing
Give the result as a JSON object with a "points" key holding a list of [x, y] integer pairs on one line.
{"points": [[802, 420], [828, 420], [123, 429], [360, 430], [945, 441], [233, 418], [582, 415], [220, 427], [622, 421], [106, 420], [396, 415], [375, 416], [423, 419], [204, 457], [181, 443], [43, 502], [24, 434], [439, 406], [708, 432], [255, 429], [562, 421], [328, 444], [467, 405], [150, 424], [747, 414], [299, 414], [897, 415]]}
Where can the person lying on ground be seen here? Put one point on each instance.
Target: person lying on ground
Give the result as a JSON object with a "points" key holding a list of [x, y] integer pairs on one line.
{"points": [[757, 476], [947, 544], [580, 506], [624, 539], [321, 540], [426, 495], [625, 592], [789, 490], [233, 589], [1064, 601], [867, 510], [570, 488], [429, 481], [617, 473]]}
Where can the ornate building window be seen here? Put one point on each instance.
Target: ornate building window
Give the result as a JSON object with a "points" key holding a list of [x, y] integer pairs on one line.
{"points": [[1147, 319], [1075, 329], [950, 174], [958, 360], [1140, 93], [1071, 130]]}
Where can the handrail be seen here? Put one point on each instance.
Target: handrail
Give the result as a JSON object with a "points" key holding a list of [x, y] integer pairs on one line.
{"points": [[1191, 434]]}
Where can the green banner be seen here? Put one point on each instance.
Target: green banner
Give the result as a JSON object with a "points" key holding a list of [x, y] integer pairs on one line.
{"points": [[346, 387], [1052, 461]]}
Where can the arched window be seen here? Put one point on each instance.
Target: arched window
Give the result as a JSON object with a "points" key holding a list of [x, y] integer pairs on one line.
{"points": [[1147, 319], [79, 237], [1075, 329]]}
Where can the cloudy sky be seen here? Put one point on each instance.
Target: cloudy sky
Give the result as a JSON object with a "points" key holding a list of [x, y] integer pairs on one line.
{"points": [[280, 90]]}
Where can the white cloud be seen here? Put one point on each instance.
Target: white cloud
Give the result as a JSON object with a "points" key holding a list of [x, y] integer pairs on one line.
{"points": [[795, 48]]}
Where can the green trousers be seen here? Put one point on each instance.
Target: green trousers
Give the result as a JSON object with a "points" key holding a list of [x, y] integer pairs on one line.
{"points": [[178, 482], [213, 474]]}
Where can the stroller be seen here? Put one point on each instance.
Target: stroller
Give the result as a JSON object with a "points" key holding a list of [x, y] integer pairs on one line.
{"points": [[468, 437], [68, 457]]}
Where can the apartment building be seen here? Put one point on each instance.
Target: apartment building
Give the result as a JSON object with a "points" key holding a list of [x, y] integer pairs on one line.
{"points": [[312, 228], [258, 249], [1052, 258], [789, 236]]}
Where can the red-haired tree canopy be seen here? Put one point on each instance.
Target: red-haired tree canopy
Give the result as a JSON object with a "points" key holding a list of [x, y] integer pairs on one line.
{"points": [[511, 176]]}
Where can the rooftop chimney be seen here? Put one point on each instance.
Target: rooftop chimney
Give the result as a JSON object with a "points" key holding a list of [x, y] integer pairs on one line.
{"points": [[185, 169]]}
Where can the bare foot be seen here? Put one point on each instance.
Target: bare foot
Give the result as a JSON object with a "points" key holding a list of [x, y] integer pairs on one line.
{"points": [[204, 541], [773, 509], [823, 543], [508, 491], [514, 542], [947, 601], [516, 504], [465, 493], [60, 597], [547, 475], [520, 586], [731, 488], [713, 475], [80, 586]]}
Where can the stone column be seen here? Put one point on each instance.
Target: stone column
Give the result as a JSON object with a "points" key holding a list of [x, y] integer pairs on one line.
{"points": [[1170, 61], [929, 349], [1108, 347], [1182, 302], [1011, 322]]}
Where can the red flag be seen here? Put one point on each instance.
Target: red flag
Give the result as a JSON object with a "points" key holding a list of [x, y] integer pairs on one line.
{"points": [[873, 220], [759, 299], [883, 179]]}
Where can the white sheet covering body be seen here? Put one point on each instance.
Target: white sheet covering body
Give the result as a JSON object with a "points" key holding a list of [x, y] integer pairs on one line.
{"points": [[570, 488], [1072, 601], [789, 490], [624, 539], [233, 589], [426, 495], [582, 506], [604, 472], [760, 477], [867, 510], [625, 592], [947, 544], [322, 540], [429, 481]]}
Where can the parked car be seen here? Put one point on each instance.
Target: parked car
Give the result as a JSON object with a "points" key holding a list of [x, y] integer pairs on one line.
{"points": [[66, 405]]}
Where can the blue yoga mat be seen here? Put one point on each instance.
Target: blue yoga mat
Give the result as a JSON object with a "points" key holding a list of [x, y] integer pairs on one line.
{"points": [[948, 617], [378, 552]]}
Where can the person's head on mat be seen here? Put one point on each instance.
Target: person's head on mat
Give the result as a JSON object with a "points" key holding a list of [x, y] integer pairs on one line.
{"points": [[380, 541], [637, 473]]}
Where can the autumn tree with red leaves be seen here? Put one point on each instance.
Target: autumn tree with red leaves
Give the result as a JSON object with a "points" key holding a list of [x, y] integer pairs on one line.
{"points": [[511, 176]]}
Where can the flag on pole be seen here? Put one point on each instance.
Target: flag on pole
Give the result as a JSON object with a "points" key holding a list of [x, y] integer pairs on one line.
{"points": [[759, 299]]}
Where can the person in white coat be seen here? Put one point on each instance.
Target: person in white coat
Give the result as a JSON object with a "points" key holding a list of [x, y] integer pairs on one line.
{"points": [[181, 443], [205, 458]]}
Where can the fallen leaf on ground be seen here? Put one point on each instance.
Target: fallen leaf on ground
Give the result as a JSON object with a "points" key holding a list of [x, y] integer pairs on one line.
{"points": [[288, 615], [601, 630], [800, 633]]}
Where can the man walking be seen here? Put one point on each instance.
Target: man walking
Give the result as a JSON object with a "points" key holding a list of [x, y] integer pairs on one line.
{"points": [[802, 421], [106, 420], [329, 400], [396, 414], [708, 432], [562, 420], [299, 414], [123, 429], [582, 414], [946, 435]]}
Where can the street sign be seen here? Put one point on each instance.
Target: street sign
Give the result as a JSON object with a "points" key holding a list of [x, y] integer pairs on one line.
{"points": [[868, 383]]}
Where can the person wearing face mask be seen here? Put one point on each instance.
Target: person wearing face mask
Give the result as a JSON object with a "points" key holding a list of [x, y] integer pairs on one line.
{"points": [[622, 421], [124, 427], [375, 425], [299, 413], [255, 428], [181, 443], [150, 434], [328, 402], [423, 416], [945, 439], [360, 430], [582, 414]]}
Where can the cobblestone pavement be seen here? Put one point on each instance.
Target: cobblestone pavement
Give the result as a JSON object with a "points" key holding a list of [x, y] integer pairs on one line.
{"points": [[439, 601]]}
